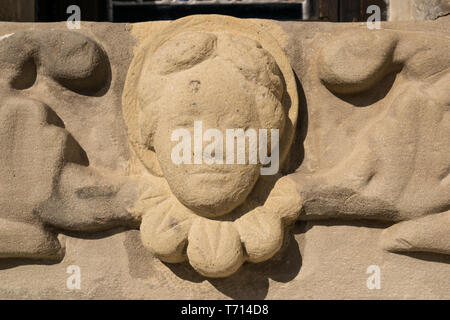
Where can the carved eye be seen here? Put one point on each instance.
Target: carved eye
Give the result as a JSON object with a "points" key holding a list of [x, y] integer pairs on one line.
{"points": [[71, 59]]}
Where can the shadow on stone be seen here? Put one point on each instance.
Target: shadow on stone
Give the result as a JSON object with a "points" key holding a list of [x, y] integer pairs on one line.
{"points": [[297, 151], [252, 280], [427, 256], [10, 263], [373, 95]]}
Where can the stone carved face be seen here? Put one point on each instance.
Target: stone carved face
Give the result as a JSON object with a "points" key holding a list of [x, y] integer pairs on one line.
{"points": [[224, 73], [225, 82]]}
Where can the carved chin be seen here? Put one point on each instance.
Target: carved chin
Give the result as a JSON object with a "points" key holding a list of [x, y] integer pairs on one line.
{"points": [[211, 200], [217, 248], [210, 206]]}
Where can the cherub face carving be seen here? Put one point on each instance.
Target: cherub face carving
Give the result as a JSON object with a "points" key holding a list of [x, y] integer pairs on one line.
{"points": [[225, 82], [224, 73]]}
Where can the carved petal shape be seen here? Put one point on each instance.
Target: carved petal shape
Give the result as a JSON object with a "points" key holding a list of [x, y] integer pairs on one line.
{"points": [[155, 194], [164, 231], [284, 200], [261, 233], [214, 248]]}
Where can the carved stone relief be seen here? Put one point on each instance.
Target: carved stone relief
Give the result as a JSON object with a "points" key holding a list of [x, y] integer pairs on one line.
{"points": [[86, 138], [212, 215], [397, 169], [47, 182]]}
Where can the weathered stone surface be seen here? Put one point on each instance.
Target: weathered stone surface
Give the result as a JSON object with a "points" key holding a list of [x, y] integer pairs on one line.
{"points": [[408, 10], [228, 74], [86, 120]]}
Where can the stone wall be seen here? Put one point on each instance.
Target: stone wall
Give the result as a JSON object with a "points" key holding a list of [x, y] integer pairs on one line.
{"points": [[359, 207]]}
